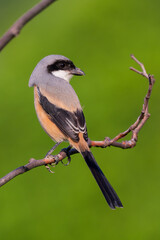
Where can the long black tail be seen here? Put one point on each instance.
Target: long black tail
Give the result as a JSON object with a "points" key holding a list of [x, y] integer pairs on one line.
{"points": [[106, 188]]}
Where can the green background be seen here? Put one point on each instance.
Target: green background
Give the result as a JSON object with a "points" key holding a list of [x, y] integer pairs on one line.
{"points": [[99, 37]]}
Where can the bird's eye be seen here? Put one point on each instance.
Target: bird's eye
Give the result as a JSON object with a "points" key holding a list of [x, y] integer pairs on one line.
{"points": [[61, 65]]}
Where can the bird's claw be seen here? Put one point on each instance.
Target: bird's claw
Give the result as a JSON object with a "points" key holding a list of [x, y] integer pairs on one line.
{"points": [[66, 150], [48, 168], [56, 161], [68, 162]]}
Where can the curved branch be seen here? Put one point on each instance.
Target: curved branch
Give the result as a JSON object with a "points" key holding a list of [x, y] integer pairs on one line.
{"points": [[19, 24], [139, 123], [134, 128]]}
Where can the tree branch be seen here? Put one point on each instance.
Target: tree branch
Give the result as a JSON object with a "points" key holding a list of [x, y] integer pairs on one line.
{"points": [[19, 24], [138, 124], [134, 128]]}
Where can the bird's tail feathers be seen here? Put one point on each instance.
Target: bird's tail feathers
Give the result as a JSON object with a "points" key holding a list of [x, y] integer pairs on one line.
{"points": [[106, 188]]}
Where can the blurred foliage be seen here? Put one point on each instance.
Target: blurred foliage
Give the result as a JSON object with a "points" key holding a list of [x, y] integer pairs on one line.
{"points": [[98, 36]]}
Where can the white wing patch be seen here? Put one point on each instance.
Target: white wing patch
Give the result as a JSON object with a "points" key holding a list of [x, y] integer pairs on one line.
{"points": [[76, 129]]}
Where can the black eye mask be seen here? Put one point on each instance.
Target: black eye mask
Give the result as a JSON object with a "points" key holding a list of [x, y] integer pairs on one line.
{"points": [[60, 65]]}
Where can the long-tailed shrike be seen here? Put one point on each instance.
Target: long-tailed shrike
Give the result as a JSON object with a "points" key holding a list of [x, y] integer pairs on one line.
{"points": [[61, 116]]}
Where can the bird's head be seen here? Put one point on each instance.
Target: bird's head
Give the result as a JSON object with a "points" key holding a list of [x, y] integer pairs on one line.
{"points": [[56, 65]]}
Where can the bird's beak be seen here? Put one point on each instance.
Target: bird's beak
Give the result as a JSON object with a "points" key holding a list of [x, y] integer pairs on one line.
{"points": [[77, 71]]}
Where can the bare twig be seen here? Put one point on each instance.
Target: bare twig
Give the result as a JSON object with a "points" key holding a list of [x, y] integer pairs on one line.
{"points": [[19, 24], [143, 73], [134, 128]]}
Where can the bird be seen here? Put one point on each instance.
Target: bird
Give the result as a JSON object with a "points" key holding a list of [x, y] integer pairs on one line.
{"points": [[61, 116]]}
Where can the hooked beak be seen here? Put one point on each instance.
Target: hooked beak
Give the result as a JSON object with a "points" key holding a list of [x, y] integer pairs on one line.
{"points": [[77, 71]]}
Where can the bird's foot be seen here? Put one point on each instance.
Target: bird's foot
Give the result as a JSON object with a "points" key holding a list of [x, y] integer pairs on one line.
{"points": [[66, 150], [49, 169], [56, 161]]}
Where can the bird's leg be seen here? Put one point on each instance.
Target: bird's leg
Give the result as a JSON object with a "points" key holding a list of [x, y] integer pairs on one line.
{"points": [[48, 155], [52, 149], [66, 150]]}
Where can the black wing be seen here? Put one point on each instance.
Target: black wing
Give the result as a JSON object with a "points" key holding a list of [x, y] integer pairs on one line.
{"points": [[71, 124]]}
